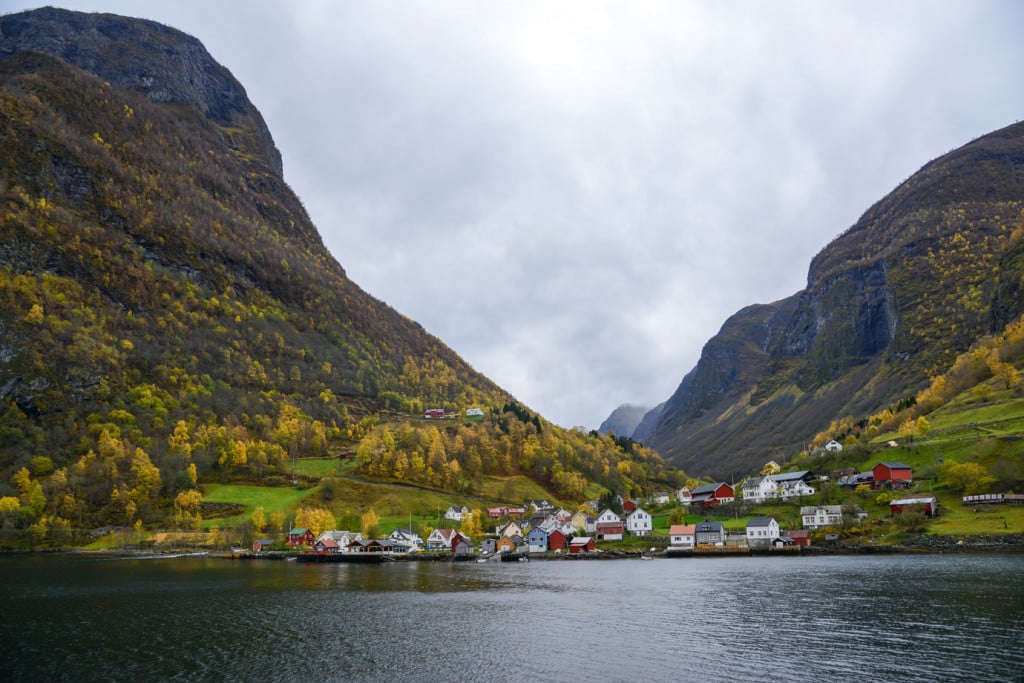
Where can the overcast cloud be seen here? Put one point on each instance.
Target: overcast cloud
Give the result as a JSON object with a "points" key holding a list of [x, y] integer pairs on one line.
{"points": [[576, 195]]}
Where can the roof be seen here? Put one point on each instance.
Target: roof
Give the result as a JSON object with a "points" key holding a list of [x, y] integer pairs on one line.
{"points": [[682, 529], [895, 465], [791, 476], [761, 521], [798, 533], [581, 540], [921, 500], [298, 531], [708, 526]]}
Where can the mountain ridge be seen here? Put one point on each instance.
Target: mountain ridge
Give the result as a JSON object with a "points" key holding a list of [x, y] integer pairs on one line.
{"points": [[923, 273]]}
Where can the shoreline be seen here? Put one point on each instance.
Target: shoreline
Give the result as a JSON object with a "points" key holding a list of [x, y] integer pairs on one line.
{"points": [[917, 545]]}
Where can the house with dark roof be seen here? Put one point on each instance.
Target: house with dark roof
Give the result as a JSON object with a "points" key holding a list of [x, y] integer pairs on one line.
{"points": [[894, 475], [709, 533], [712, 494], [762, 532]]}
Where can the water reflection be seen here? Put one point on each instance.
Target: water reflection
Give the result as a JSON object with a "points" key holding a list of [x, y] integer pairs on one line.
{"points": [[890, 618]]}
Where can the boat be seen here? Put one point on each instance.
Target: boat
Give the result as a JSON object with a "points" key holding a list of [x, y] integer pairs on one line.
{"points": [[646, 557]]}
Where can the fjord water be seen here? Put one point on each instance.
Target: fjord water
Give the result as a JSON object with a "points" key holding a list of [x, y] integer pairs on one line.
{"points": [[842, 618]]}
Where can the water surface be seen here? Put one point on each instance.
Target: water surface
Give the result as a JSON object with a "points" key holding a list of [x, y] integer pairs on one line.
{"points": [[892, 618]]}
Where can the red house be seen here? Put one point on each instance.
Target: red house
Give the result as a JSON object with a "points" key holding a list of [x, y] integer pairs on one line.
{"points": [[894, 475], [297, 537], [712, 494], [434, 413], [326, 546], [801, 537], [629, 506], [556, 541], [581, 544]]}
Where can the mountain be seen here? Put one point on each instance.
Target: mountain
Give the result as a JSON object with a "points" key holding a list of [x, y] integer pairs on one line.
{"points": [[623, 420], [923, 274], [643, 431], [170, 318]]}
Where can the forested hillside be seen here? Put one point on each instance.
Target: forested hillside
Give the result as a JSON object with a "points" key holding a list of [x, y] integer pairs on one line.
{"points": [[169, 315]]}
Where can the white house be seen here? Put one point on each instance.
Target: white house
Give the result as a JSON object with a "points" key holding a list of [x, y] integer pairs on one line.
{"points": [[475, 412], [441, 539], [683, 496], [456, 514], [609, 526], [834, 446], [818, 516], [759, 489], [794, 488], [762, 531], [342, 538], [406, 539], [660, 498], [681, 536], [638, 522]]}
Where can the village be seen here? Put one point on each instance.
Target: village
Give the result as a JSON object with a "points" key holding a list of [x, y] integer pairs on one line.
{"points": [[540, 529]]}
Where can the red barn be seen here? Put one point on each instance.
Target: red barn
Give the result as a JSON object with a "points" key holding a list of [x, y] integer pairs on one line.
{"points": [[801, 537], [712, 494], [581, 544], [894, 475], [629, 506], [434, 413], [926, 503], [556, 541]]}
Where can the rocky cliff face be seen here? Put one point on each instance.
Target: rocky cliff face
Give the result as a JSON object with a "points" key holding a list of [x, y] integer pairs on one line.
{"points": [[162, 63], [925, 272]]}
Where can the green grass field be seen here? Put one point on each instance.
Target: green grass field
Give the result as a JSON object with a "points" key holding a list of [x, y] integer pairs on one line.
{"points": [[252, 497]]}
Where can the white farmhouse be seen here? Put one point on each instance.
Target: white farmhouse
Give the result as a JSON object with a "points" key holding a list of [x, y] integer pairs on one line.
{"points": [[639, 523], [819, 516], [762, 531], [759, 489]]}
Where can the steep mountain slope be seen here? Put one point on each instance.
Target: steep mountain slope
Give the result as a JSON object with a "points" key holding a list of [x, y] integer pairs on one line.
{"points": [[925, 272], [153, 260], [169, 316]]}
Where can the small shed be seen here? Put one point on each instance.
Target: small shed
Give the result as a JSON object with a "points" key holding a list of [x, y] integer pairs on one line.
{"points": [[261, 546], [928, 504], [581, 544], [801, 537]]}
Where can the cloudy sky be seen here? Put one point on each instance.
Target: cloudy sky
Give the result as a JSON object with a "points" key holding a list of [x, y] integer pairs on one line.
{"points": [[576, 195]]}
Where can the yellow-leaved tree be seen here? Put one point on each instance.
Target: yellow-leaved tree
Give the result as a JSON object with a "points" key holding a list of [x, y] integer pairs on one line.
{"points": [[316, 520], [371, 525]]}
